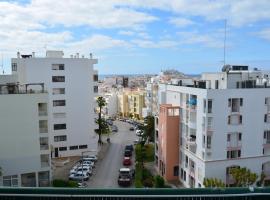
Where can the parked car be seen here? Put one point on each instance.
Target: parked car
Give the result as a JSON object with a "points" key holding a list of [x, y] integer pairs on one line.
{"points": [[90, 158], [139, 132], [79, 176], [128, 153], [125, 177], [114, 128], [129, 147], [88, 162], [109, 121], [127, 161], [84, 169], [131, 128]]}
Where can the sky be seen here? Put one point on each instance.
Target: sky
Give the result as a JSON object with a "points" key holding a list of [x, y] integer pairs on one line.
{"points": [[140, 36]]}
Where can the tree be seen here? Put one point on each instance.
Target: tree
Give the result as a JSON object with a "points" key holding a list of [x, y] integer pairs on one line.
{"points": [[101, 103], [213, 182], [243, 177], [159, 181], [0, 171], [149, 128]]}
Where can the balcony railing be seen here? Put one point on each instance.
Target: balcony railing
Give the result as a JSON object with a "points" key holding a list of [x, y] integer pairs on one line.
{"points": [[132, 193]]}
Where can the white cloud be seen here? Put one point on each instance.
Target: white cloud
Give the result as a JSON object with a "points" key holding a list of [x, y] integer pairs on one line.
{"points": [[265, 33], [155, 44], [128, 33], [180, 22]]}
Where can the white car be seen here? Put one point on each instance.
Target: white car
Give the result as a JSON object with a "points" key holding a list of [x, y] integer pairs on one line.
{"points": [[90, 158], [85, 169], [89, 163], [79, 176], [137, 141], [139, 132]]}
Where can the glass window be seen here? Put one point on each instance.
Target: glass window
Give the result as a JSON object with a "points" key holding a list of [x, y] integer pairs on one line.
{"points": [[60, 138], [59, 103], [58, 67], [210, 105], [73, 147], [58, 79], [59, 126], [14, 67]]}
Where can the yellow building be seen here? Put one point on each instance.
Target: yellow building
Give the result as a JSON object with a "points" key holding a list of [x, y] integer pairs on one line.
{"points": [[131, 103]]}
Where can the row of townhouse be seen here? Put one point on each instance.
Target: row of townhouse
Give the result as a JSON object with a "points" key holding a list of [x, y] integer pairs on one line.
{"points": [[46, 111], [219, 122]]}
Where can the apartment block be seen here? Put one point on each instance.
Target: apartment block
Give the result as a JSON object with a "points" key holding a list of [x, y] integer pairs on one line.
{"points": [[24, 145], [167, 142], [72, 85], [224, 123], [131, 103]]}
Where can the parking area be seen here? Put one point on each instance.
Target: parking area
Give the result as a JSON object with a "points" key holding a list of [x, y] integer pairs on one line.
{"points": [[110, 159]]}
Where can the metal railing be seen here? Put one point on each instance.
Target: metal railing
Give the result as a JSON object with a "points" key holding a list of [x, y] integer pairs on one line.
{"points": [[138, 194]]}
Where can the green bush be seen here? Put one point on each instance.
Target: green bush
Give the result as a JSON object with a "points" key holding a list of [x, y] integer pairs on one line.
{"points": [[138, 175], [159, 182], [148, 182], [63, 183], [146, 174]]}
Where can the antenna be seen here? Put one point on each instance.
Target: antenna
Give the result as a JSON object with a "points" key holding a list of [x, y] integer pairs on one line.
{"points": [[224, 49]]}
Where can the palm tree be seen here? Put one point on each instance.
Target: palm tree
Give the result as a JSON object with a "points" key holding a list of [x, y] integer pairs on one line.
{"points": [[101, 103]]}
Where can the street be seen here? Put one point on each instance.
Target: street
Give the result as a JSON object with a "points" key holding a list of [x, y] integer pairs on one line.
{"points": [[107, 169]]}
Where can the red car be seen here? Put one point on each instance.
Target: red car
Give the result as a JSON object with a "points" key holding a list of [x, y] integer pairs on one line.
{"points": [[127, 161]]}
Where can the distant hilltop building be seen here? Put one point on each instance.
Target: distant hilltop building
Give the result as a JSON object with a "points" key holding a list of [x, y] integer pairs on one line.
{"points": [[216, 123]]}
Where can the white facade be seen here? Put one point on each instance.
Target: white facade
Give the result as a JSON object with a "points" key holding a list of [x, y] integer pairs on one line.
{"points": [[222, 128], [111, 104], [24, 144], [71, 88]]}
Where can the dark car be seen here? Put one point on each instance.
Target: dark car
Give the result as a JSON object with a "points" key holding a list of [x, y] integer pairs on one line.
{"points": [[131, 128], [109, 121], [128, 153], [114, 128], [129, 147]]}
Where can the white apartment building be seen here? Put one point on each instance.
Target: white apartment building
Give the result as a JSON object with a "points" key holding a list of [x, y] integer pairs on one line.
{"points": [[71, 85], [224, 123], [111, 103], [24, 143], [151, 97]]}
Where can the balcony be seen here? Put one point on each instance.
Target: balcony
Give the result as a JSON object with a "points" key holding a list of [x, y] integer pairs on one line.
{"points": [[44, 143], [45, 160], [192, 124], [234, 145]]}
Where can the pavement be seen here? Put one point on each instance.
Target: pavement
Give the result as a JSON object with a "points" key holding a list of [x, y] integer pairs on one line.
{"points": [[105, 174]]}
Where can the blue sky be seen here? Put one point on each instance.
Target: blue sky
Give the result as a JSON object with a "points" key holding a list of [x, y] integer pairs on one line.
{"points": [[140, 36]]}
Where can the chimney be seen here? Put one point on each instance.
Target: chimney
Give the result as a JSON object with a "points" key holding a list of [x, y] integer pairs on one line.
{"points": [[18, 54], [91, 56], [33, 54]]}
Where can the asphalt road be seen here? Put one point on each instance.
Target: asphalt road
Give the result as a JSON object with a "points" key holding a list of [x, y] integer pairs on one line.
{"points": [[107, 169]]}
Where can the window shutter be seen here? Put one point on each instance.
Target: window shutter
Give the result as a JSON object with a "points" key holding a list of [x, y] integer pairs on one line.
{"points": [[240, 119], [241, 101], [229, 102]]}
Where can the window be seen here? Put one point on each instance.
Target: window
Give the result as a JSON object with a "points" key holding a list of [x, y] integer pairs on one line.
{"points": [[228, 137], [239, 136], [45, 160], [59, 103], [210, 105], [14, 67], [186, 162], [233, 154], [216, 84], [59, 126], [60, 138], [59, 115], [58, 91], [135, 110], [204, 106], [62, 148], [43, 126], [73, 147], [44, 143], [267, 118], [42, 109], [176, 171], [185, 176], [208, 142], [266, 136], [203, 140], [267, 100], [10, 181], [83, 146], [95, 77], [235, 119], [58, 67], [95, 89], [58, 79]]}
